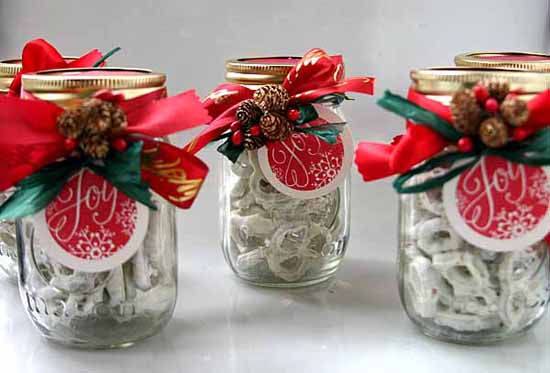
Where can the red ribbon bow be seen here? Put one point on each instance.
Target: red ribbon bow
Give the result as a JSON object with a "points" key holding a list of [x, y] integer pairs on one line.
{"points": [[31, 139], [39, 55], [419, 143], [315, 75]]}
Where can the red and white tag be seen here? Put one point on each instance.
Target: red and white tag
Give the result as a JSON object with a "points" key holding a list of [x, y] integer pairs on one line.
{"points": [[499, 205], [305, 166], [91, 226]]}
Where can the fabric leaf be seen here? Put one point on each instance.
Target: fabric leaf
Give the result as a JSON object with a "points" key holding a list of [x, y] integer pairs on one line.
{"points": [[409, 110], [36, 191], [230, 150], [123, 171]]}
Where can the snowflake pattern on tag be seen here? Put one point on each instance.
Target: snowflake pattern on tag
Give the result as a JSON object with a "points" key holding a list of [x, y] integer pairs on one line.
{"points": [[127, 217], [93, 245], [326, 169], [91, 226], [305, 166], [499, 205]]}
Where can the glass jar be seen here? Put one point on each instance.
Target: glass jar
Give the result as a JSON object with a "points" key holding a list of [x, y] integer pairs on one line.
{"points": [[505, 60], [269, 238], [8, 250], [451, 289], [104, 309]]}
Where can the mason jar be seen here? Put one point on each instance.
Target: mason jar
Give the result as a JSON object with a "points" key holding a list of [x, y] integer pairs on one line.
{"points": [[104, 308], [270, 238], [8, 250], [451, 289], [505, 60], [8, 253]]}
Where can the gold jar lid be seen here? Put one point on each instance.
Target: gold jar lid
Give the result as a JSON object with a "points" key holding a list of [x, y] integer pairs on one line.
{"points": [[505, 60], [447, 80], [8, 70], [259, 70], [69, 86]]}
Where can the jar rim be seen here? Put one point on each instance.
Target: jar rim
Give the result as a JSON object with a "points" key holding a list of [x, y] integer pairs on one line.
{"points": [[448, 79], [259, 70], [10, 67], [512, 60], [114, 78]]}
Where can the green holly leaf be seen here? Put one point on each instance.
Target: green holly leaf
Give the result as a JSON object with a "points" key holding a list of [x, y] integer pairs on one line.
{"points": [[328, 133], [123, 171], [36, 191], [409, 110], [230, 150], [307, 114]]}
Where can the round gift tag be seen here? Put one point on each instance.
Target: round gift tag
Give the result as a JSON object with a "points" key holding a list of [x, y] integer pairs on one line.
{"points": [[91, 226], [305, 166], [499, 205]]}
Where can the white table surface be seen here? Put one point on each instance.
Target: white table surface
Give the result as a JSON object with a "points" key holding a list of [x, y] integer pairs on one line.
{"points": [[353, 324]]}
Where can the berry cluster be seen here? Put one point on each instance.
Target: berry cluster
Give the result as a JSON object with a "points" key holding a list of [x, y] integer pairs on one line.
{"points": [[490, 111]]}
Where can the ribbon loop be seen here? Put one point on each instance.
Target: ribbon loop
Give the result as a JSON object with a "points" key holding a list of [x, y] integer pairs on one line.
{"points": [[409, 110], [316, 78], [534, 151]]}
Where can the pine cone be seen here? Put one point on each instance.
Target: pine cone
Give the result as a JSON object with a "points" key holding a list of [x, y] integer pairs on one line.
{"points": [[466, 112], [95, 146], [271, 97], [514, 111], [253, 142], [498, 89], [275, 126], [70, 123], [102, 116], [248, 113], [494, 132]]}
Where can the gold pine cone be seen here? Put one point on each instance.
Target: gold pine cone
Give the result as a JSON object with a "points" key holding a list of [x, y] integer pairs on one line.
{"points": [[498, 89], [494, 132], [466, 112], [102, 116], [275, 126], [271, 97], [253, 142], [95, 146], [248, 113], [69, 123], [514, 111]]}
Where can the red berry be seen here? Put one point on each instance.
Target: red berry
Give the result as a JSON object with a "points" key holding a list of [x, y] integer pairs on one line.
{"points": [[119, 144], [293, 115], [465, 144], [70, 144], [481, 93], [255, 130], [237, 137], [491, 105], [235, 126], [520, 134]]}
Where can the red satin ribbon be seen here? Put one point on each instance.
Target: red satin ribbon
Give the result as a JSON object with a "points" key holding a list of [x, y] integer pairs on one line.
{"points": [[315, 75], [31, 140], [39, 55], [419, 143]]}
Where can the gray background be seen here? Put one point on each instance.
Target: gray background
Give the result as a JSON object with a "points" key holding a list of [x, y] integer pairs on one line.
{"points": [[221, 325], [189, 40]]}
